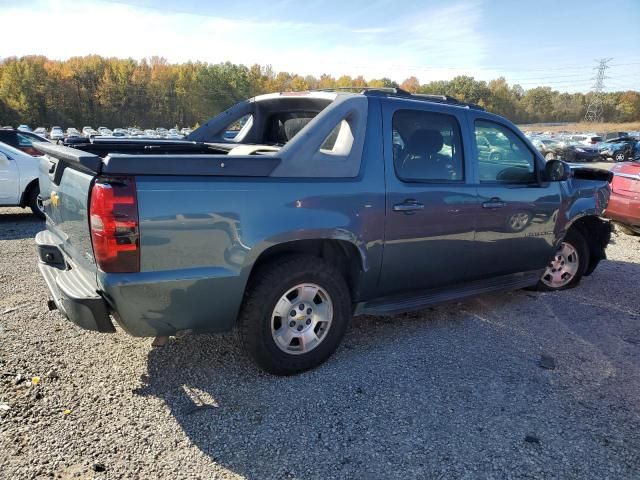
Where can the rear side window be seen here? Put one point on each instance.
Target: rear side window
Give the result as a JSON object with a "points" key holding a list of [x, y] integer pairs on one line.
{"points": [[427, 147], [24, 140], [502, 156]]}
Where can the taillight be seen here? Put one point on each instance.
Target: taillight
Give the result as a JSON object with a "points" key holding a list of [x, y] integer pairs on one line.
{"points": [[113, 218]]}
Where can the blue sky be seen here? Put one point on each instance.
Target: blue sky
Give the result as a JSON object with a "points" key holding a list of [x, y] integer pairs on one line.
{"points": [[532, 43]]}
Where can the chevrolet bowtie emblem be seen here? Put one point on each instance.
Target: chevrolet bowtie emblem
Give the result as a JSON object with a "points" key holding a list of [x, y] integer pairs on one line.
{"points": [[55, 199]]}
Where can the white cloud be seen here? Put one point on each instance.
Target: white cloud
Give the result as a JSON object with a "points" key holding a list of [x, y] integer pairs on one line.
{"points": [[411, 45]]}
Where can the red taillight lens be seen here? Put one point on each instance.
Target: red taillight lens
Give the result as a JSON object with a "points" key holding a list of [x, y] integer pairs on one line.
{"points": [[113, 218]]}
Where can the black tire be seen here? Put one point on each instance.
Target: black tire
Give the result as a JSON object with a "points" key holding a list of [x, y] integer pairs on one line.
{"points": [[619, 157], [577, 241], [266, 288], [32, 201]]}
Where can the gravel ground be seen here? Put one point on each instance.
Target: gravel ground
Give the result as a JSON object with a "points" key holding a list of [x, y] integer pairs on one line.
{"points": [[453, 392]]}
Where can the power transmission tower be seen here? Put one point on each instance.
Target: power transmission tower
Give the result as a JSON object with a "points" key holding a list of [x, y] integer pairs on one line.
{"points": [[594, 110]]}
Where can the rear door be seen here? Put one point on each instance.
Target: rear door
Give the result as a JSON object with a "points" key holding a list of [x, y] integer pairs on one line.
{"points": [[430, 203], [517, 212], [9, 179]]}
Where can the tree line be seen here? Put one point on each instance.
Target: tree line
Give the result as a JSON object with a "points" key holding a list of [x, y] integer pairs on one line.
{"points": [[96, 90]]}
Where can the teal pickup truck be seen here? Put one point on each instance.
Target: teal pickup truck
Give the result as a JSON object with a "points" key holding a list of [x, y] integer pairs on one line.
{"points": [[323, 205]]}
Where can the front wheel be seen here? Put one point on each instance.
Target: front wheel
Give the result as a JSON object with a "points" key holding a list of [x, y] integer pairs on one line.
{"points": [[619, 157], [295, 314], [567, 265]]}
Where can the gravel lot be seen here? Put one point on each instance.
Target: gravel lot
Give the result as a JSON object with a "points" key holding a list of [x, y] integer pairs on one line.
{"points": [[450, 392]]}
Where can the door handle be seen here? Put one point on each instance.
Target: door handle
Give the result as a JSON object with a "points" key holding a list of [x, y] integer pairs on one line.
{"points": [[408, 206], [495, 202]]}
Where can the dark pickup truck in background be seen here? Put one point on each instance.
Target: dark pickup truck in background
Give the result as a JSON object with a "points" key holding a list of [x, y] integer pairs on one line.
{"points": [[324, 205]]}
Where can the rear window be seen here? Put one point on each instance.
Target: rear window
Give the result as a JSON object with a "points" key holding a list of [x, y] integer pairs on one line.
{"points": [[283, 126]]}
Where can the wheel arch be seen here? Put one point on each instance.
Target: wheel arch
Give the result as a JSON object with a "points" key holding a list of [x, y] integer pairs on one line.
{"points": [[25, 193], [597, 234], [343, 254]]}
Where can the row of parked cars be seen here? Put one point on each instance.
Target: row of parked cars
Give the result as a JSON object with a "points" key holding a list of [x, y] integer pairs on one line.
{"points": [[57, 133], [615, 146]]}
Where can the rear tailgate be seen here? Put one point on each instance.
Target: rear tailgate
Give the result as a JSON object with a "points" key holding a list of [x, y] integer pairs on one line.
{"points": [[66, 256], [66, 177]]}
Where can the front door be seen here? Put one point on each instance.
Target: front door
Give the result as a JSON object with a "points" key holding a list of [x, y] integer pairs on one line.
{"points": [[430, 206], [515, 228]]}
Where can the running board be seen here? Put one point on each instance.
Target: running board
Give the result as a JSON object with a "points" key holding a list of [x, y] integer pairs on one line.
{"points": [[395, 304]]}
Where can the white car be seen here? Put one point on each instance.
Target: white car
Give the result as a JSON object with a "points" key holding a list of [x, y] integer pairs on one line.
{"points": [[19, 179], [587, 139], [104, 131], [56, 133], [73, 133], [41, 131], [88, 132], [24, 128]]}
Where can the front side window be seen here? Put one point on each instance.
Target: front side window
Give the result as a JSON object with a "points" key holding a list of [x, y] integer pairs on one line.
{"points": [[502, 156], [427, 147]]}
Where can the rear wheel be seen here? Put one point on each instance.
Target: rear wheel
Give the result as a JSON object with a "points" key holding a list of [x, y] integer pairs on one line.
{"points": [[34, 203], [295, 314], [566, 268]]}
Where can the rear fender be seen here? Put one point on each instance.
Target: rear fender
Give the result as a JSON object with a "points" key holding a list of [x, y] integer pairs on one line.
{"points": [[296, 242]]}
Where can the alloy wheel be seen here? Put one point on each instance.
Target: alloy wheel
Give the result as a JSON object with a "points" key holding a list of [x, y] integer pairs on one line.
{"points": [[301, 318], [562, 268]]}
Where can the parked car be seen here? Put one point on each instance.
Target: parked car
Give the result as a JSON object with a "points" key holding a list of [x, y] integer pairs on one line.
{"points": [[619, 149], [41, 131], [624, 204], [104, 131], [572, 151], [19, 179], [587, 139], [324, 205], [73, 133], [21, 140], [613, 135], [56, 133], [547, 147], [173, 134], [24, 128], [120, 132]]}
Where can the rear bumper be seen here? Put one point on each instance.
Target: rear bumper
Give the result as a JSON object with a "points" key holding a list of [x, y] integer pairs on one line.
{"points": [[144, 304], [72, 294]]}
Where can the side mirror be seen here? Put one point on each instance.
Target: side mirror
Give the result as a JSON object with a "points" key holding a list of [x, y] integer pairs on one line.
{"points": [[557, 171], [3, 159]]}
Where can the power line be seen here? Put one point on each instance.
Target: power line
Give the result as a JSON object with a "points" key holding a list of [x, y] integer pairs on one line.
{"points": [[594, 110]]}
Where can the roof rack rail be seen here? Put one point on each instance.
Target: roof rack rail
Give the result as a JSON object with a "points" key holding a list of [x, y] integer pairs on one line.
{"points": [[399, 92]]}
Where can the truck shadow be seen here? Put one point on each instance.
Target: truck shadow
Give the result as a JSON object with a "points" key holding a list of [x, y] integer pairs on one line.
{"points": [[451, 385], [19, 225]]}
